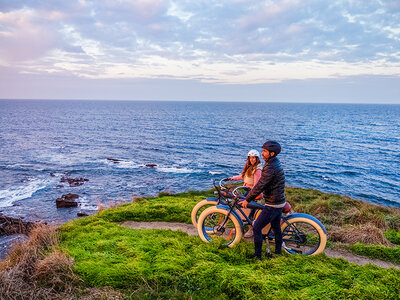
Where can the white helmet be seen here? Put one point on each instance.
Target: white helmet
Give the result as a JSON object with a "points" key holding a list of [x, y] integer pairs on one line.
{"points": [[253, 152]]}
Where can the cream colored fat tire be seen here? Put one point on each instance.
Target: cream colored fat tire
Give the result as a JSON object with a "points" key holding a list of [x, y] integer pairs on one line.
{"points": [[204, 234], [322, 234], [197, 207]]}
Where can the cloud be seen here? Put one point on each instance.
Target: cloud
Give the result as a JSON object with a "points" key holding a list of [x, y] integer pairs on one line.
{"points": [[213, 41], [361, 89], [22, 38]]}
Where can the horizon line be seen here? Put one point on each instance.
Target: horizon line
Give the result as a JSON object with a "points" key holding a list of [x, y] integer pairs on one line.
{"points": [[215, 101]]}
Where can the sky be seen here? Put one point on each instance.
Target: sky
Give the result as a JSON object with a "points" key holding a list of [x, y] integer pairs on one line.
{"points": [[236, 50]]}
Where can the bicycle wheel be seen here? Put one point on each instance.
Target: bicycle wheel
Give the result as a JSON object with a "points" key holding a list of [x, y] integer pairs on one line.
{"points": [[303, 236], [199, 208], [210, 229]]}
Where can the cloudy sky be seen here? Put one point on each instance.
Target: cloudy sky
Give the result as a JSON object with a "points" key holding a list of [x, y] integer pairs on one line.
{"points": [[236, 50]]}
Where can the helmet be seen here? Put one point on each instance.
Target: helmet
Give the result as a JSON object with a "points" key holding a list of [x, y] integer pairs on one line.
{"points": [[253, 152], [272, 146]]}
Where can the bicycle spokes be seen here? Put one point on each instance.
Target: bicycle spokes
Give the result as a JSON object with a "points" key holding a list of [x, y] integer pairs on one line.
{"points": [[301, 237], [219, 227]]}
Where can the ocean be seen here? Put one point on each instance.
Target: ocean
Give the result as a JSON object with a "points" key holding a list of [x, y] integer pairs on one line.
{"points": [[129, 149]]}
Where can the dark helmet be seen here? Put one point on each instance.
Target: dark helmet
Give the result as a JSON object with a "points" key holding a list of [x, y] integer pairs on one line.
{"points": [[272, 146]]}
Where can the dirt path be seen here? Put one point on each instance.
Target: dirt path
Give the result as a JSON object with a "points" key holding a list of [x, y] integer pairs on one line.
{"points": [[352, 258]]}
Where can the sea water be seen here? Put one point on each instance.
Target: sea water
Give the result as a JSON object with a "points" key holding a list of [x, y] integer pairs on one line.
{"points": [[348, 149]]}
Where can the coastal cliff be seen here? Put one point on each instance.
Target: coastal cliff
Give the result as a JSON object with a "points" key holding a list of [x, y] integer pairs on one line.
{"points": [[94, 257]]}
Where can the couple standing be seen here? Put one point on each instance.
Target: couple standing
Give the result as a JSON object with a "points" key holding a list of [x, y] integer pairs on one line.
{"points": [[270, 182]]}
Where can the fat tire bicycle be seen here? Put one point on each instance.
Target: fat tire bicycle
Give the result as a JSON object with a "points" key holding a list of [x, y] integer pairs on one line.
{"points": [[225, 222]]}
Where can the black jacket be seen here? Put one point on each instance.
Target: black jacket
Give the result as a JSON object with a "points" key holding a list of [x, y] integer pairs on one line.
{"points": [[271, 183]]}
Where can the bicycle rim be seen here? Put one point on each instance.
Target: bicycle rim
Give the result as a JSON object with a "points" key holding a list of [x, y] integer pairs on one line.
{"points": [[199, 208], [302, 236], [214, 232]]}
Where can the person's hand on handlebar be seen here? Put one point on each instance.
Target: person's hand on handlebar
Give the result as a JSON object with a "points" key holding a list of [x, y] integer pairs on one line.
{"points": [[243, 203]]}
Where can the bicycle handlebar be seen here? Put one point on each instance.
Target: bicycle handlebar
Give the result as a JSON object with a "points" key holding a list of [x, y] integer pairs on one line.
{"points": [[222, 190], [236, 193], [221, 184]]}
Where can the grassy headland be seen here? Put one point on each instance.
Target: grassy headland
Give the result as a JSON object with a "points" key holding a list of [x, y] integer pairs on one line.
{"points": [[167, 264]]}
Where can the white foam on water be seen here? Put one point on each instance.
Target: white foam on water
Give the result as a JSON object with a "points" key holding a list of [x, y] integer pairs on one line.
{"points": [[24, 166], [65, 159], [215, 172], [127, 165], [140, 186], [123, 164], [86, 204], [20, 165], [177, 170], [60, 159], [9, 196]]}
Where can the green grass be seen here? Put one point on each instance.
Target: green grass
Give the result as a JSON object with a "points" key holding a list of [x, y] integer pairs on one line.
{"points": [[168, 264], [393, 236], [334, 211], [148, 264], [389, 254], [168, 208]]}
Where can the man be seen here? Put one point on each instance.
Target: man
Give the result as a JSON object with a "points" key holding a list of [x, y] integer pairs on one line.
{"points": [[272, 185]]}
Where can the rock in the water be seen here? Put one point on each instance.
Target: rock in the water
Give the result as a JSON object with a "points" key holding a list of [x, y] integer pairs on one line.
{"points": [[74, 181], [151, 165], [67, 200], [82, 214], [114, 160], [9, 226]]}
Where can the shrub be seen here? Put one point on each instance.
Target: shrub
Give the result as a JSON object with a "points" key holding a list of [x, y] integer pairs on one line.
{"points": [[377, 252], [365, 233], [393, 236], [29, 272]]}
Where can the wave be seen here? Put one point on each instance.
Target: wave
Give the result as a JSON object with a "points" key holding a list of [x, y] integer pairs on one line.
{"points": [[124, 164], [178, 170], [9, 196], [22, 167], [87, 204], [215, 172]]}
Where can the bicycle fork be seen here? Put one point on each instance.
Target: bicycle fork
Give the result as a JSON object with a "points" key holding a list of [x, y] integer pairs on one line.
{"points": [[221, 226]]}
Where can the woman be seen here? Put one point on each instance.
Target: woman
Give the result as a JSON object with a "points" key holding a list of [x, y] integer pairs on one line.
{"points": [[250, 175]]}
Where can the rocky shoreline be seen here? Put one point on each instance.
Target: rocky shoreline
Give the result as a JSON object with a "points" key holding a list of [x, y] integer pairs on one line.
{"points": [[10, 226], [15, 229], [12, 230]]}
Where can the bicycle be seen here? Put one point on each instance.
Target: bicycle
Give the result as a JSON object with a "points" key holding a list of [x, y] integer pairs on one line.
{"points": [[225, 222]]}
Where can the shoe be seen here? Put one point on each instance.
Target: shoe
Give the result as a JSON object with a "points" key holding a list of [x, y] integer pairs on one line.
{"points": [[253, 257], [249, 233]]}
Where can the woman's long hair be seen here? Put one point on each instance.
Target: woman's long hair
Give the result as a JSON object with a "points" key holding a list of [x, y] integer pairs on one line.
{"points": [[250, 169]]}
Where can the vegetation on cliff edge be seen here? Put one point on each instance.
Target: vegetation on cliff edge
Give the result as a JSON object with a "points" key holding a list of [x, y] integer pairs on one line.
{"points": [[96, 258]]}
